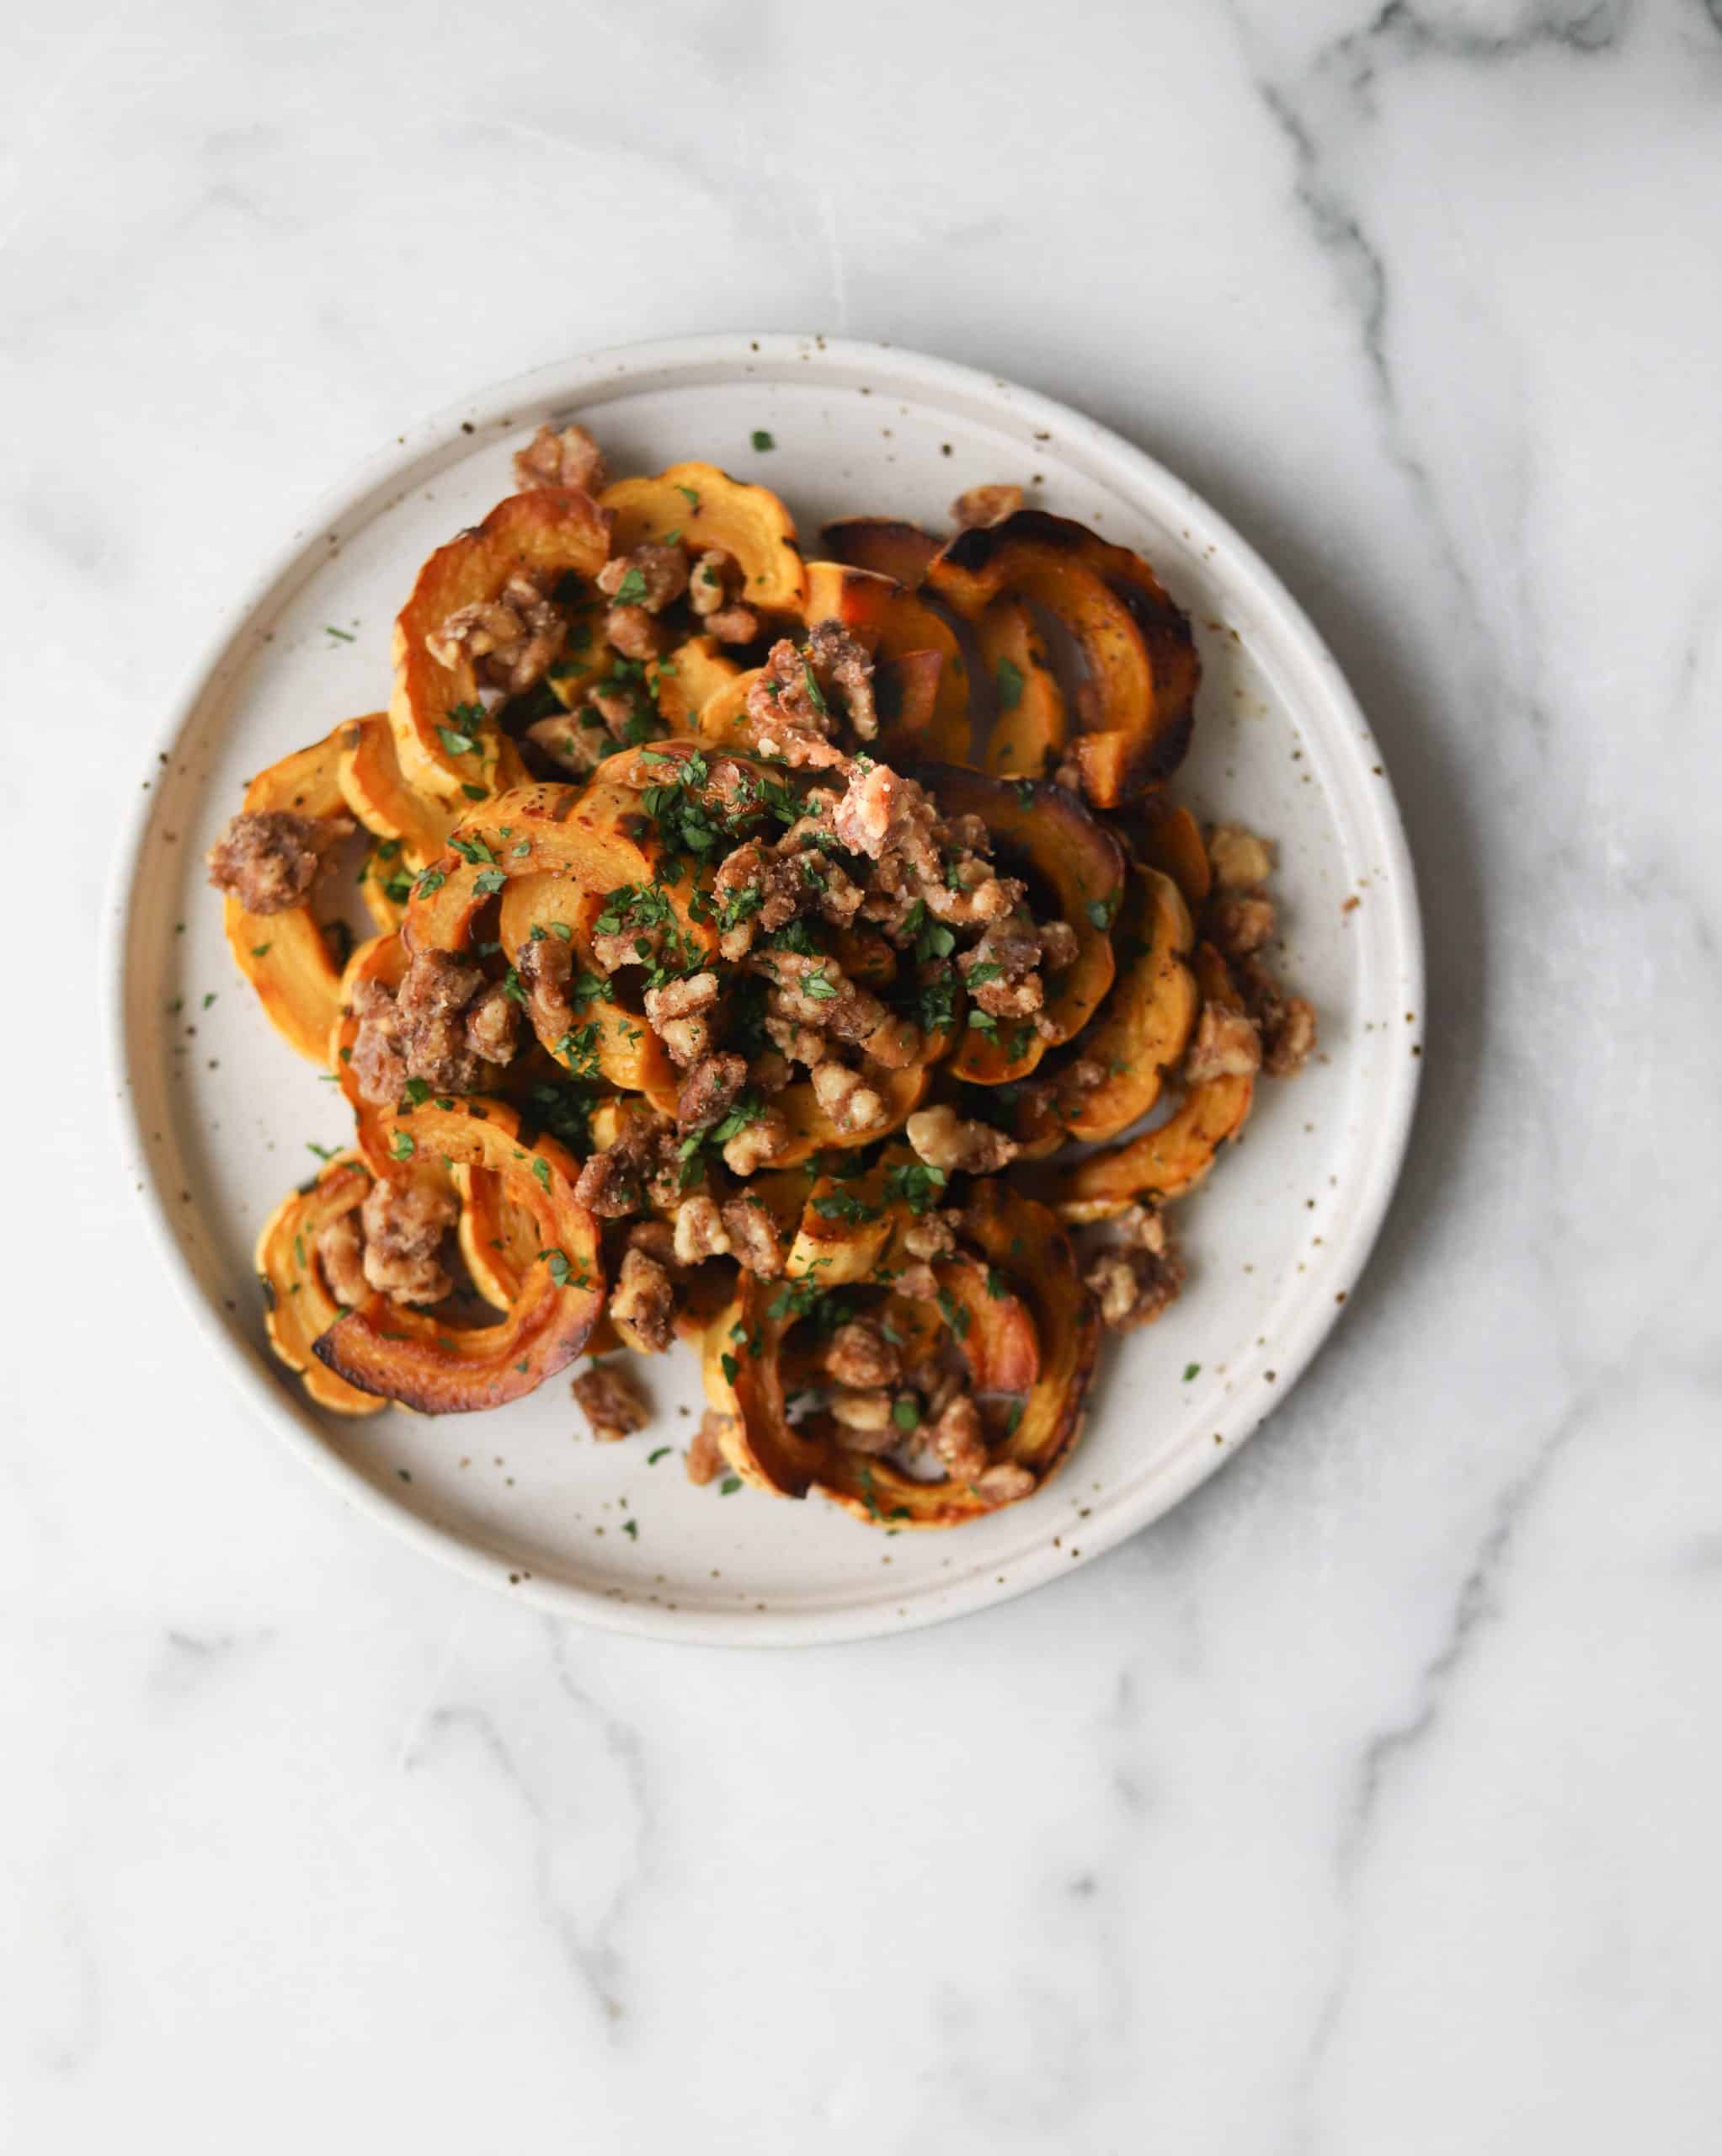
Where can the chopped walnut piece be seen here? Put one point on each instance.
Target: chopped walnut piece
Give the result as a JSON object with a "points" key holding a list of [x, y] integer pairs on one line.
{"points": [[379, 1062], [573, 748], [859, 1355], [933, 1235], [642, 1303], [675, 1013], [1241, 861], [404, 1225], [753, 1238], [491, 1024], [1058, 945], [765, 1139], [878, 800], [1134, 1285], [706, 1460], [651, 576], [634, 633], [340, 1250], [1002, 970], [611, 1183], [613, 1401], [714, 576], [568, 459], [981, 506], [511, 641], [956, 1437], [268, 860], [1239, 923], [943, 1139], [733, 625], [861, 1414], [1226, 1045], [847, 1098], [699, 1232], [709, 1091], [797, 1044], [544, 966], [431, 1006], [1004, 1483], [1286, 1023]]}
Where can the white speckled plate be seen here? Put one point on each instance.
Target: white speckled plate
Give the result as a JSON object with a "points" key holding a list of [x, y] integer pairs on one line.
{"points": [[219, 1112]]}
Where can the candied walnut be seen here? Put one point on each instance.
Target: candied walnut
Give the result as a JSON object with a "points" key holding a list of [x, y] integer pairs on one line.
{"points": [[933, 1235], [705, 1461], [544, 966], [943, 1139], [769, 1072], [492, 1023], [711, 582], [642, 1303], [379, 1046], [1286, 1023], [340, 1250], [613, 1402], [864, 1414], [1002, 971], [269, 861], [1004, 1483], [919, 1282], [566, 743], [1059, 944], [618, 705], [956, 1438], [511, 640], [652, 1239], [675, 1013], [734, 625], [708, 1090], [1134, 1286], [847, 1098], [1226, 1045], [699, 1232], [859, 1355], [839, 661], [753, 1238], [1145, 1226], [797, 1044], [796, 686], [980, 506], [651, 576], [634, 633], [611, 1184], [876, 803], [404, 1225], [1240, 860], [894, 1043], [815, 991], [432, 1003], [765, 1139], [1239, 924], [568, 459]]}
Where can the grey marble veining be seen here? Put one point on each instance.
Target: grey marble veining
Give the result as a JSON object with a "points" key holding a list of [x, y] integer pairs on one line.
{"points": [[1366, 1802]]}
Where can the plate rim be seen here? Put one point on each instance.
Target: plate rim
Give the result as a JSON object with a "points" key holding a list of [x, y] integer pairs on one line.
{"points": [[571, 380]]}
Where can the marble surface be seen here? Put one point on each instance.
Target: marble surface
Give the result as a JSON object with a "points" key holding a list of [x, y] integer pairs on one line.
{"points": [[1368, 1802]]}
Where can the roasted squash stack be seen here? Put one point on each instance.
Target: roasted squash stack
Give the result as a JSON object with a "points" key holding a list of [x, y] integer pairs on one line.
{"points": [[470, 853]]}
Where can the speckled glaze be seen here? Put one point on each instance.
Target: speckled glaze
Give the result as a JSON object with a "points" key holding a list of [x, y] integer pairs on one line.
{"points": [[220, 1114]]}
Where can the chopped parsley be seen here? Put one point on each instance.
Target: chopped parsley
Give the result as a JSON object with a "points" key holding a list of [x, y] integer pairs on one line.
{"points": [[916, 1185], [403, 1145], [1010, 677], [632, 591], [761, 440], [843, 1205], [1191, 1370], [905, 1414]]}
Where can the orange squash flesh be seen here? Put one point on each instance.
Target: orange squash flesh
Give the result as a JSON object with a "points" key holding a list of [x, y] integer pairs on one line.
{"points": [[1165, 1163], [298, 1305], [375, 791], [1140, 658], [711, 509], [1142, 1028], [1030, 723], [382, 958], [553, 531], [410, 1356], [285, 955], [1169, 838]]}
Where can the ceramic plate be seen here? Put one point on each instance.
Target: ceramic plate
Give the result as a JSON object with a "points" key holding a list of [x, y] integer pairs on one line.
{"points": [[220, 1113]]}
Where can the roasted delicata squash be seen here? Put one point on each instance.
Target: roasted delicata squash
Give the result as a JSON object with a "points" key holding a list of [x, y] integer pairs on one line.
{"points": [[1141, 663], [807, 1012], [441, 737]]}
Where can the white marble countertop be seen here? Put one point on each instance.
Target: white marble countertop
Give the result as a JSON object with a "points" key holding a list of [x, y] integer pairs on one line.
{"points": [[1367, 1803]]}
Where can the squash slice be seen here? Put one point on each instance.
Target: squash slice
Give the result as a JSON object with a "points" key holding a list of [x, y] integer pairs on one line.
{"points": [[1030, 724], [710, 510], [410, 1355], [1140, 660], [1143, 1028], [297, 1304], [893, 622], [1042, 828], [552, 531], [285, 956], [888, 546], [1165, 1163], [1169, 838]]}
